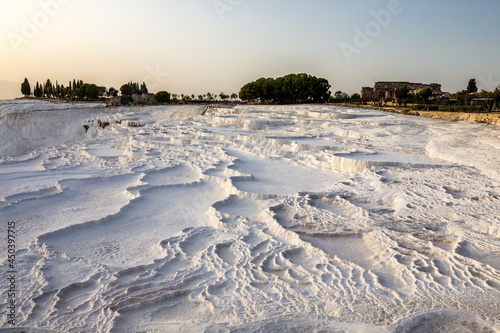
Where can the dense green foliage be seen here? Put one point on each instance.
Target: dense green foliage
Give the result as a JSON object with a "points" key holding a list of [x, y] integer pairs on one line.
{"points": [[290, 89], [343, 97], [78, 90], [488, 99], [112, 92], [50, 90], [496, 96], [355, 97], [133, 88], [223, 96], [461, 96], [162, 97], [127, 90], [425, 94], [90, 91]]}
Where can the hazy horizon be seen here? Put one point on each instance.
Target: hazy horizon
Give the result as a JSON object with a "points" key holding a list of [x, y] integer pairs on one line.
{"points": [[218, 45]]}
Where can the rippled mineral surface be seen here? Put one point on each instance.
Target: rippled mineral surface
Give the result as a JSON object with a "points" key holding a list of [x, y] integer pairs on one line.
{"points": [[304, 218]]}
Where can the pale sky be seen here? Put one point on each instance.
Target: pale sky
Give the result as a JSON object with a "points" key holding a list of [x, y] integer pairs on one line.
{"points": [[199, 46]]}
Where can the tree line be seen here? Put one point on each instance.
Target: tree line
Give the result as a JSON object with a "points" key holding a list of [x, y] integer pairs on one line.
{"points": [[490, 99], [289, 89], [79, 90], [208, 97], [468, 99], [75, 89], [343, 97]]}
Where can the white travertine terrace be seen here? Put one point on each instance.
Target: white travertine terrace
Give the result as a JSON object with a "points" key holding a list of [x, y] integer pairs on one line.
{"points": [[256, 218]]}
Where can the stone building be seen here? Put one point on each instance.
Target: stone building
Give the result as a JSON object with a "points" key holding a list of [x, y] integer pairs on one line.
{"points": [[367, 94], [384, 90]]}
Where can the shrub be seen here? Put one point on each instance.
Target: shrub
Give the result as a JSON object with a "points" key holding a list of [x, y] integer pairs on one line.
{"points": [[162, 97], [445, 108]]}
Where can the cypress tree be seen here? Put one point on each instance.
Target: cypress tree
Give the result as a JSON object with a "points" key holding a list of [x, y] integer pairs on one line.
{"points": [[25, 88], [144, 89], [48, 88], [37, 91], [472, 86]]}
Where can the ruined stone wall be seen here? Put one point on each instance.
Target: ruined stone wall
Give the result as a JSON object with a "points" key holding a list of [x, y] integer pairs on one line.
{"points": [[388, 89], [367, 93]]}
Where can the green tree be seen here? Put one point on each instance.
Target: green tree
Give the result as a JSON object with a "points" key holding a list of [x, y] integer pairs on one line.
{"points": [[92, 91], [136, 89], [425, 94], [472, 86], [48, 88], [101, 91], [496, 96], [38, 90], [462, 96], [144, 89], [127, 89], [57, 89], [112, 92], [247, 93], [130, 88], [26, 88], [71, 93], [403, 92], [292, 88], [82, 91], [340, 97], [162, 97], [355, 97], [63, 91]]}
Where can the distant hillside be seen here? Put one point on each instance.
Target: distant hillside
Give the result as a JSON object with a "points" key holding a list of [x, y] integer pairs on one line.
{"points": [[9, 90]]}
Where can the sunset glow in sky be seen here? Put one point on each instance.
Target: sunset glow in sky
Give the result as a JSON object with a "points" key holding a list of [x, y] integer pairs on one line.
{"points": [[199, 46]]}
